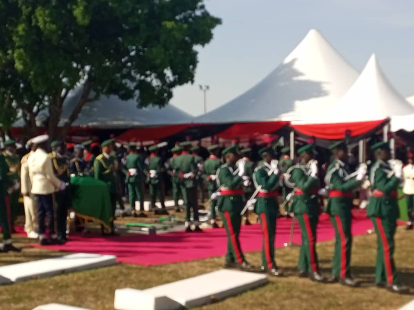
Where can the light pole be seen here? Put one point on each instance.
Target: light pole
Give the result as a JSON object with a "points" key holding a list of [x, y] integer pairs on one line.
{"points": [[205, 89]]}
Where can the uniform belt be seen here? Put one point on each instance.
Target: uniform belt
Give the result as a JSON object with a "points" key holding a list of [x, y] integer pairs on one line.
{"points": [[267, 194], [378, 193], [336, 193], [300, 192], [232, 192]]}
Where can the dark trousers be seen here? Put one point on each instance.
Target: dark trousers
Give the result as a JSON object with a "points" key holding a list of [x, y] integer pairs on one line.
{"points": [[45, 213], [62, 203], [191, 203], [410, 207]]}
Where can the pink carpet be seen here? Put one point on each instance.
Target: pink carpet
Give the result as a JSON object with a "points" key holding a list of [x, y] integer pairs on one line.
{"points": [[181, 247]]}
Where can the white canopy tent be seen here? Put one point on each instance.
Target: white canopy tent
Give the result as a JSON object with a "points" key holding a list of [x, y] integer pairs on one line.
{"points": [[311, 78], [410, 100], [372, 97]]}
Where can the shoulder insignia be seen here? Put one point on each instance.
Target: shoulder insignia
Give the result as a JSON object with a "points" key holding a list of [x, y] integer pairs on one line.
{"points": [[100, 156]]}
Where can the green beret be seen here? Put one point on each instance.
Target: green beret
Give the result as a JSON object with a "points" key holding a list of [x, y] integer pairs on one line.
{"points": [[308, 148], [107, 142], [86, 143], [185, 144], [380, 146], [285, 150], [231, 149], [9, 142], [153, 148], [56, 143], [195, 148], [266, 151], [340, 145], [246, 150], [213, 147], [175, 149]]}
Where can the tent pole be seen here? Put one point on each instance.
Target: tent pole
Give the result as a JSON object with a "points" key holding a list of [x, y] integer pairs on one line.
{"points": [[392, 147], [361, 151], [292, 144], [385, 133]]}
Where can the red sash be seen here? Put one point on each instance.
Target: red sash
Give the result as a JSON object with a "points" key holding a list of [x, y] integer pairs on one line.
{"points": [[378, 193], [268, 194], [299, 192], [336, 193], [232, 192]]}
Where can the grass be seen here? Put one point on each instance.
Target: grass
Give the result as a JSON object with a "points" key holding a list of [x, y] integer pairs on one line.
{"points": [[95, 289]]}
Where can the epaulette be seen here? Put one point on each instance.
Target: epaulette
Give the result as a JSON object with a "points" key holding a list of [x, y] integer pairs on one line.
{"points": [[73, 160], [25, 157], [100, 156], [51, 155]]}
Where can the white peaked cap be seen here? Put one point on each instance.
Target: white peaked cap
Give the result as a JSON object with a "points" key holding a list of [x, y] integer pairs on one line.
{"points": [[40, 139]]}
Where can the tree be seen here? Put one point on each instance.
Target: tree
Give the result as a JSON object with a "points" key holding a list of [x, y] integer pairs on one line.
{"points": [[139, 49]]}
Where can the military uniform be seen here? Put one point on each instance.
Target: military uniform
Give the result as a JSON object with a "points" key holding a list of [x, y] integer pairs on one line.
{"points": [[211, 165], [30, 208], [62, 198], [247, 185], [78, 167], [134, 179], [285, 163], [384, 212], [199, 179], [4, 216], [306, 209], [154, 178], [267, 208], [408, 191], [105, 170], [13, 162], [187, 169], [339, 208], [175, 180]]}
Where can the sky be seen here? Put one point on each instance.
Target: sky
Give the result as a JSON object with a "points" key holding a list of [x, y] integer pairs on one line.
{"points": [[256, 35]]}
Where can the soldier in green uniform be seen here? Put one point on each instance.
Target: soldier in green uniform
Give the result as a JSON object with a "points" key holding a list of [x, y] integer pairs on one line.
{"points": [[78, 165], [62, 198], [339, 207], [134, 178], [187, 170], [13, 161], [384, 212], [285, 162], [199, 180], [4, 217], [175, 180], [306, 209], [266, 178], [248, 186], [154, 180], [105, 170], [230, 205], [211, 165]]}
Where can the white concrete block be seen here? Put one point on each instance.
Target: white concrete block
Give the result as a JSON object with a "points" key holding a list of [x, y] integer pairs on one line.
{"points": [[130, 299], [57, 307], [409, 306], [54, 266], [189, 293]]}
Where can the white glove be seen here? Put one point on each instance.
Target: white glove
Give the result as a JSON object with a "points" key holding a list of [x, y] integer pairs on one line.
{"points": [[250, 204], [16, 186], [274, 164], [189, 175], [153, 174], [246, 183], [213, 177], [62, 186], [362, 171], [289, 196], [398, 170], [323, 192], [200, 166], [242, 167], [314, 169], [214, 196]]}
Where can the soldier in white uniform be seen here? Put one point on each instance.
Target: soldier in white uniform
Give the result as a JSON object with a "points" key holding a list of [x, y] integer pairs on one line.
{"points": [[408, 173]]}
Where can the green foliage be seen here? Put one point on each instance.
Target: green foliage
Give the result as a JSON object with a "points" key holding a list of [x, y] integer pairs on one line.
{"points": [[138, 49]]}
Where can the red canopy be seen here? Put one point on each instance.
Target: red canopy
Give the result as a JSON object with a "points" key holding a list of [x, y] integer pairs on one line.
{"points": [[337, 131], [251, 130], [151, 133]]}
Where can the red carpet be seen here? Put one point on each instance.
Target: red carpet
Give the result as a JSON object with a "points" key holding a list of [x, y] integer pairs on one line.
{"points": [[180, 246]]}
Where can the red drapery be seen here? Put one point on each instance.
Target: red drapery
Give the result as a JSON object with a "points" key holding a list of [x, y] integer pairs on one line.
{"points": [[151, 133], [337, 131], [251, 130]]}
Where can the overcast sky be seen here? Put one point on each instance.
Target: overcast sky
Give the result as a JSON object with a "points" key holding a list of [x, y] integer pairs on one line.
{"points": [[256, 35]]}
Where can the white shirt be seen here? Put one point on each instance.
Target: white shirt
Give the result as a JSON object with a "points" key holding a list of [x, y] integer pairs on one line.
{"points": [[408, 176]]}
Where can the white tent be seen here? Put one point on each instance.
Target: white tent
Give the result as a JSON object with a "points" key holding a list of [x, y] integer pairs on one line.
{"points": [[372, 97], [112, 112], [410, 100], [313, 77]]}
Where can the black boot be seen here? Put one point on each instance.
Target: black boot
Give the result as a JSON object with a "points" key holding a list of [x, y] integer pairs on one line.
{"points": [[198, 229], [141, 214], [348, 282], [163, 211], [10, 248], [399, 289], [316, 277], [303, 274]]}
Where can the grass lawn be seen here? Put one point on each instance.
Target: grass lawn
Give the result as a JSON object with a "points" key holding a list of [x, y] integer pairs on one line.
{"points": [[95, 289]]}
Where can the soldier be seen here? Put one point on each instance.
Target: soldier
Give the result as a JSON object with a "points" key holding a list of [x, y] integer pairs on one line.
{"points": [[134, 179], [248, 186], [105, 170], [211, 165], [44, 184], [78, 165], [285, 163], [187, 168], [13, 161], [383, 211], [408, 189], [306, 209], [199, 180], [176, 150], [339, 207], [266, 178], [62, 198], [95, 150], [230, 204], [30, 208], [154, 180]]}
